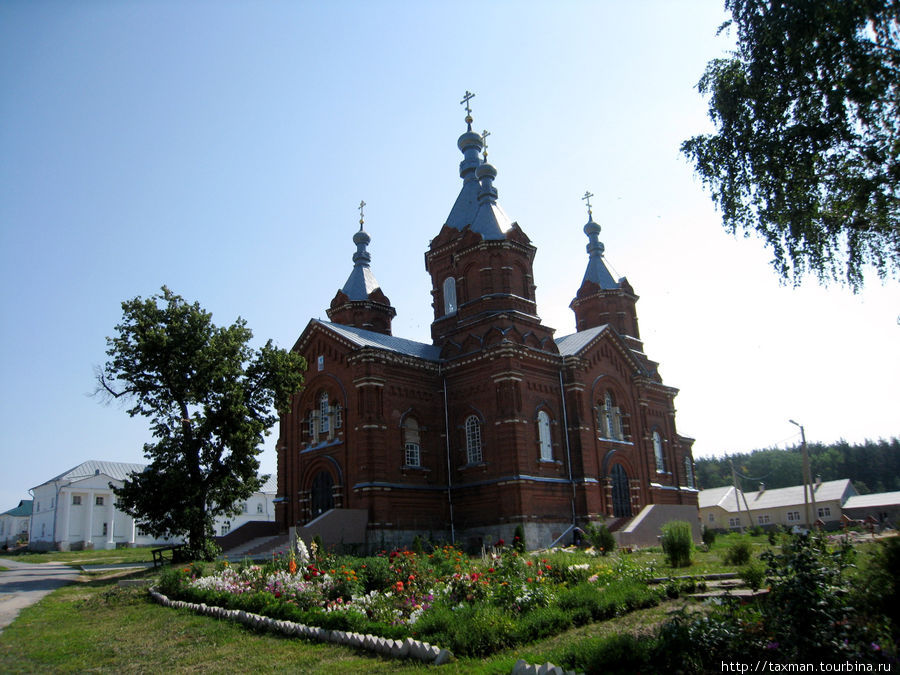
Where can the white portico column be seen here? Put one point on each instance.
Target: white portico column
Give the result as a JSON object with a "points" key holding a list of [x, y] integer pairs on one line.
{"points": [[64, 510], [131, 539], [111, 519], [89, 535]]}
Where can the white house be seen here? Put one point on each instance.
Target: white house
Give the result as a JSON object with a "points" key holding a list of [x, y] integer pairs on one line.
{"points": [[260, 506], [881, 507], [725, 508], [77, 509], [14, 524]]}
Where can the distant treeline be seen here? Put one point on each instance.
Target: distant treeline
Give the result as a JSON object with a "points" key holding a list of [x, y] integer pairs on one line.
{"points": [[873, 466]]}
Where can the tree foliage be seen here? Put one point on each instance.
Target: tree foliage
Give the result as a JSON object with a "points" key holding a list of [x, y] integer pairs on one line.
{"points": [[871, 466], [210, 398], [807, 149]]}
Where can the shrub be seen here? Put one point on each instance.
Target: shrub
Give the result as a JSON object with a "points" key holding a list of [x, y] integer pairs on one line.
{"points": [[600, 538], [738, 553], [623, 653], [753, 574], [471, 630], [541, 622], [709, 537], [519, 538], [677, 543]]}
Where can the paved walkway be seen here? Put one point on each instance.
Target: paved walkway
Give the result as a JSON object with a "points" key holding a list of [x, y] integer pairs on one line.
{"points": [[23, 584]]}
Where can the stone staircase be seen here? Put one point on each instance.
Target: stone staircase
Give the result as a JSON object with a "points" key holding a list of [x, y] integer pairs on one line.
{"points": [[723, 584], [260, 548]]}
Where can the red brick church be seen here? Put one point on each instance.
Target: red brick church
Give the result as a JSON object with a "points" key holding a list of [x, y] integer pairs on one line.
{"points": [[493, 424]]}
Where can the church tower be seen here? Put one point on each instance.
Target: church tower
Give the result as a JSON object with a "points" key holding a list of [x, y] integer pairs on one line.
{"points": [[601, 299], [481, 263], [361, 303]]}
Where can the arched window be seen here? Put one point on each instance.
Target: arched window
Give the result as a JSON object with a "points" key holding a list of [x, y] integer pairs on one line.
{"points": [[324, 417], [689, 472], [658, 452], [473, 440], [610, 419], [543, 422], [411, 447], [449, 296]]}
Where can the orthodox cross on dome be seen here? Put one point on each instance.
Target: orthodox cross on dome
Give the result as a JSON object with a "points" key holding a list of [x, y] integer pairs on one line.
{"points": [[587, 198], [468, 97], [484, 135], [362, 219]]}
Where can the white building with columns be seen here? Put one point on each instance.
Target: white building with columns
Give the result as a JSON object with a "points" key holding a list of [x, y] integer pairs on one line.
{"points": [[77, 509]]}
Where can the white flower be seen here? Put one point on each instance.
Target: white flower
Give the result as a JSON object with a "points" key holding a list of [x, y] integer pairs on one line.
{"points": [[302, 552]]}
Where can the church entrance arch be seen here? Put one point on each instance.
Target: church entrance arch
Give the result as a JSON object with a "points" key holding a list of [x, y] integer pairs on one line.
{"points": [[621, 494], [322, 493]]}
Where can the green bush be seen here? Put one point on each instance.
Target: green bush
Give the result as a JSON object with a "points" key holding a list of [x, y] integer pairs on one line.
{"points": [[541, 622], [615, 654], [709, 537], [375, 573], [753, 574], [519, 539], [738, 553], [471, 630], [600, 538], [677, 543]]}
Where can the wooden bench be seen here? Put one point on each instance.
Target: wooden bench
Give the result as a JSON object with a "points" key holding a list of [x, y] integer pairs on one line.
{"points": [[159, 554]]}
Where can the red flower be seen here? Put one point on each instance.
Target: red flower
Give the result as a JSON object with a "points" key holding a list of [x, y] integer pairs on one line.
{"points": [[500, 542]]}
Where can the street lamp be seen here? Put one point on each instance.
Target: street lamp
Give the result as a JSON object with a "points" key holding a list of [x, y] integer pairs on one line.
{"points": [[807, 478]]}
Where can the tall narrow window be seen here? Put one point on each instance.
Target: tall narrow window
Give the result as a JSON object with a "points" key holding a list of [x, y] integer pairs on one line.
{"points": [[658, 452], [449, 295], [411, 448], [609, 422], [689, 472], [473, 440], [312, 426], [338, 417], [543, 420], [324, 417]]}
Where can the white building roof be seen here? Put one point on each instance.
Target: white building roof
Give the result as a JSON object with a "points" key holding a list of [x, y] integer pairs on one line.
{"points": [[873, 500], [832, 490], [716, 496], [93, 467]]}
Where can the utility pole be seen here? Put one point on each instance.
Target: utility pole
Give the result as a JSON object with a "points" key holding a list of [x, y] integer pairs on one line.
{"points": [[807, 480]]}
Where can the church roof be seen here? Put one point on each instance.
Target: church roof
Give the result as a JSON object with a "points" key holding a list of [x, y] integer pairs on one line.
{"points": [[597, 271], [361, 281], [476, 206], [367, 338], [570, 345]]}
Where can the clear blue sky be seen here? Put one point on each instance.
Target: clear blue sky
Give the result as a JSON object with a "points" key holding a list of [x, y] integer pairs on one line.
{"points": [[221, 148]]}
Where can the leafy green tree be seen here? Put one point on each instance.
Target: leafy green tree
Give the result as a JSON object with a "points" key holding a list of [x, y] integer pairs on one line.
{"points": [[210, 398], [807, 149]]}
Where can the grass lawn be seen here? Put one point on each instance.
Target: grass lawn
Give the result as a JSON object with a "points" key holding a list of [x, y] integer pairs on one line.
{"points": [[119, 555]]}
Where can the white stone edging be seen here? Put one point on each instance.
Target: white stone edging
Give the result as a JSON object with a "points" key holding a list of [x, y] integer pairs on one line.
{"points": [[406, 648], [522, 667]]}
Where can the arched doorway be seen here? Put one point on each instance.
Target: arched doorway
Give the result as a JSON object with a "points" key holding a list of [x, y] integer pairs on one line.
{"points": [[322, 493], [621, 494]]}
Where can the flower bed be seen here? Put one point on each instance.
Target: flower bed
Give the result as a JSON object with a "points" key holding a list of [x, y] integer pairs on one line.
{"points": [[470, 606]]}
